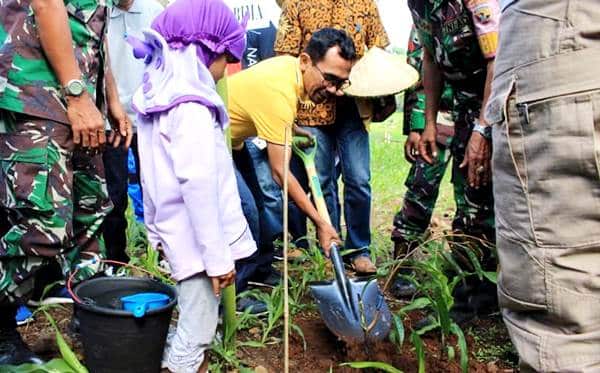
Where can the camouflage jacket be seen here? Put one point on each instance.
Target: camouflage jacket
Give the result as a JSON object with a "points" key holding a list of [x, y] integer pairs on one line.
{"points": [[27, 82], [414, 98], [461, 35]]}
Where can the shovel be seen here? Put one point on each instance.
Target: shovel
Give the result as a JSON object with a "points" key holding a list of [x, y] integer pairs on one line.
{"points": [[354, 310]]}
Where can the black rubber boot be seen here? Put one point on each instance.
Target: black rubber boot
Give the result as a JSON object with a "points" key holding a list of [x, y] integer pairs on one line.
{"points": [[402, 288], [13, 351]]}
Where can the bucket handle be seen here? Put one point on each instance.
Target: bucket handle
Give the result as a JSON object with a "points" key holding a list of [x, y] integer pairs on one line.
{"points": [[94, 259]]}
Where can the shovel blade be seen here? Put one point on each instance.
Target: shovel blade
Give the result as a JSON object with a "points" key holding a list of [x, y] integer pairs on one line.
{"points": [[361, 316]]}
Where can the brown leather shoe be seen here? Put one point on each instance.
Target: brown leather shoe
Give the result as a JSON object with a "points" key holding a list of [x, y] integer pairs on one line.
{"points": [[363, 265]]}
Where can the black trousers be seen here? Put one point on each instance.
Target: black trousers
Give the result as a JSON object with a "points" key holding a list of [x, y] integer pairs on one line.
{"points": [[117, 179]]}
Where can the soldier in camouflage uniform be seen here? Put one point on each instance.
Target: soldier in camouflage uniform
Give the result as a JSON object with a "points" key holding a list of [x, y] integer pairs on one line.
{"points": [[52, 187], [459, 39], [424, 179]]}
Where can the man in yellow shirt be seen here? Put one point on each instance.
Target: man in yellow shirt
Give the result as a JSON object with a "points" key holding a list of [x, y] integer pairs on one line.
{"points": [[336, 122], [263, 101]]}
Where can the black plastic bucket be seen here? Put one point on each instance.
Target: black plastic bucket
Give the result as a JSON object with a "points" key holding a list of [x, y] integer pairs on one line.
{"points": [[113, 339]]}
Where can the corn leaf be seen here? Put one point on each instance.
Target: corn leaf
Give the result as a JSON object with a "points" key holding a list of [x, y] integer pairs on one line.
{"points": [[416, 304], [420, 350], [372, 365], [397, 335], [462, 345], [67, 354], [53, 366]]}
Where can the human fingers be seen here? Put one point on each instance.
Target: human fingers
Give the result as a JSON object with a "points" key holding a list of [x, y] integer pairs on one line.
{"points": [[93, 138], [85, 138], [101, 137], [423, 151], [216, 286]]}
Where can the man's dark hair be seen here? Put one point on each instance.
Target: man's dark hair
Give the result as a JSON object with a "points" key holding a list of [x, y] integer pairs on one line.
{"points": [[326, 38]]}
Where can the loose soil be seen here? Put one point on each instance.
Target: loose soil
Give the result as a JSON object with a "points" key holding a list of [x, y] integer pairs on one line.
{"points": [[323, 351]]}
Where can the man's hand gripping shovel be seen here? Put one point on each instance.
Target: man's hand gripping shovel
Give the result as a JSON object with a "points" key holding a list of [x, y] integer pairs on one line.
{"points": [[354, 310]]}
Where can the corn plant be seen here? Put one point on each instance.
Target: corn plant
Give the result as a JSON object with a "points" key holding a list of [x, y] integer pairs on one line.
{"points": [[137, 240], [68, 363], [297, 291], [317, 264], [436, 289], [397, 332], [149, 263], [419, 350], [383, 367], [53, 366], [225, 347], [274, 303]]}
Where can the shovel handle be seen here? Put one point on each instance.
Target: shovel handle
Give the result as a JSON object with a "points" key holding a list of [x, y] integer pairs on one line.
{"points": [[317, 192], [338, 264], [307, 155]]}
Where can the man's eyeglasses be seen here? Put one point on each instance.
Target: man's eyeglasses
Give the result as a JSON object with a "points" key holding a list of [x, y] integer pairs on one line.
{"points": [[333, 81]]}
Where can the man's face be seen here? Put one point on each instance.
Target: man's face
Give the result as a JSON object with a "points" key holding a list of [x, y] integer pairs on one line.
{"points": [[327, 77], [217, 68]]}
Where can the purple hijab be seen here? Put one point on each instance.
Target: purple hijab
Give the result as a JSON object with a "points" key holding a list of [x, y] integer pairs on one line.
{"points": [[186, 38], [209, 24]]}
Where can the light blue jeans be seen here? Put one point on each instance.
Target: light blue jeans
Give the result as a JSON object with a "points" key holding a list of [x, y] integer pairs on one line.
{"points": [[348, 139]]}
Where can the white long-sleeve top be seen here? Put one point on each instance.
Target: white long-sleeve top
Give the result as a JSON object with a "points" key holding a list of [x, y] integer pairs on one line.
{"points": [[191, 201]]}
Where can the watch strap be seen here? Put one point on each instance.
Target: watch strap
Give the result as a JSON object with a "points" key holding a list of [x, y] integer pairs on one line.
{"points": [[485, 131]]}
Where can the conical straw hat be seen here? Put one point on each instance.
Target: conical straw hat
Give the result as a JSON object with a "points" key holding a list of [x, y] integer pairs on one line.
{"points": [[380, 73]]}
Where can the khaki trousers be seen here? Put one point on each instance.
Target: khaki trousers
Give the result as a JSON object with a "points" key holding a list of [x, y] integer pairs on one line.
{"points": [[545, 107]]}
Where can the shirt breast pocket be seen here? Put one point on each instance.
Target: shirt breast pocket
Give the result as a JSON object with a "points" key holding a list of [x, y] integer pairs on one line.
{"points": [[459, 40], [85, 26], [462, 49]]}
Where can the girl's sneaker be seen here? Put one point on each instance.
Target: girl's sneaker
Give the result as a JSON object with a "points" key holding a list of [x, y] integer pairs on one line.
{"points": [[23, 316]]}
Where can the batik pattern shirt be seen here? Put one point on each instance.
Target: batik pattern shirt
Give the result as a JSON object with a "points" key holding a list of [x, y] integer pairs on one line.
{"points": [[300, 18], [27, 82]]}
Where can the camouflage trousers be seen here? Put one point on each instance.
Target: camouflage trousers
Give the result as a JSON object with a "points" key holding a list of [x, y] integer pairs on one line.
{"points": [[474, 214], [54, 198]]}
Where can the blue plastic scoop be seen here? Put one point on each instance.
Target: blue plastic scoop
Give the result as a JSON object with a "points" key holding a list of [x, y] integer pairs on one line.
{"points": [[139, 303]]}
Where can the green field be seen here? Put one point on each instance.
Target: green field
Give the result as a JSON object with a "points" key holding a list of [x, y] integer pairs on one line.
{"points": [[389, 169]]}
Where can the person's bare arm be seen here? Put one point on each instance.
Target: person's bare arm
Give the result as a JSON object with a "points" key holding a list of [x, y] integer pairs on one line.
{"points": [[56, 40], [432, 85], [327, 234], [478, 153], [487, 90]]}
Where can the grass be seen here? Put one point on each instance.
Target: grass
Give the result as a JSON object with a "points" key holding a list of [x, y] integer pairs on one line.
{"points": [[492, 344], [389, 170]]}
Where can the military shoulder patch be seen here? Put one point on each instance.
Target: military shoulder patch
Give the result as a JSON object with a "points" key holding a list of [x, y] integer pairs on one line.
{"points": [[483, 13]]}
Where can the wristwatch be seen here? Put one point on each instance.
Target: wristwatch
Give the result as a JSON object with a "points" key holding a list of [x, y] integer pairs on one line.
{"points": [[485, 131], [74, 87]]}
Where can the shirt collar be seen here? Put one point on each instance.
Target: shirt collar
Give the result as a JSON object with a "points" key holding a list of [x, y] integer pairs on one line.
{"points": [[300, 91], [136, 7]]}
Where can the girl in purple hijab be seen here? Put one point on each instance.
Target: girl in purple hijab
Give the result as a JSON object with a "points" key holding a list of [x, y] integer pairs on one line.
{"points": [[192, 208]]}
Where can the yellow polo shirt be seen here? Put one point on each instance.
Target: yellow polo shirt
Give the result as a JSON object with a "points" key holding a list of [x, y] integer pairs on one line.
{"points": [[263, 100]]}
